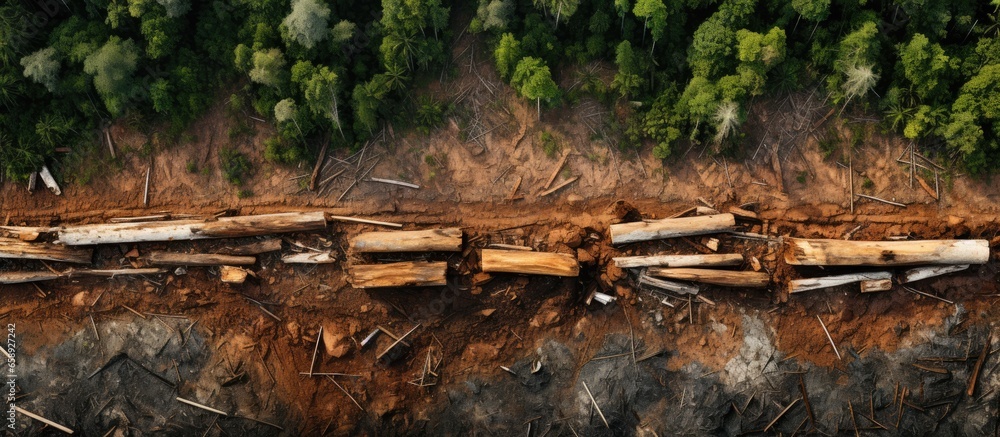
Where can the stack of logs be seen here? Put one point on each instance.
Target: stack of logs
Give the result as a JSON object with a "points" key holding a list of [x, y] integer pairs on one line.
{"points": [[74, 243], [926, 259], [426, 274], [703, 268]]}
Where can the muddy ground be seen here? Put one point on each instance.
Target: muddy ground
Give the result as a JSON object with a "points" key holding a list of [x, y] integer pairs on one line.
{"points": [[508, 354]]}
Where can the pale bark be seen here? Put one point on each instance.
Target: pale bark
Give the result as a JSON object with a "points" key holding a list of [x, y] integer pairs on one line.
{"points": [[711, 260], [670, 228], [727, 278], [431, 240], [818, 252]]}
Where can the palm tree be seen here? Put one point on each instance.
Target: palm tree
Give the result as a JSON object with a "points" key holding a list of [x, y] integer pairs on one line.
{"points": [[860, 80], [727, 119]]}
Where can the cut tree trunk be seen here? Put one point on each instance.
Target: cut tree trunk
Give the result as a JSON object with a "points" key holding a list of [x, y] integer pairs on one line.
{"points": [[431, 240], [669, 228], [806, 284], [319, 164], [818, 252], [712, 260], [727, 278], [24, 277], [876, 285], [50, 181], [676, 287], [309, 258], [16, 248], [245, 226], [401, 274], [921, 273], [197, 259], [255, 248], [48, 275], [532, 263]]}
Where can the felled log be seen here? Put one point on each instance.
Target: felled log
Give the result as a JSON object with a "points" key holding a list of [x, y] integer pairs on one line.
{"points": [[670, 228], [233, 274], [532, 263], [48, 275], [727, 278], [24, 277], [50, 181], [15, 248], [308, 258], [711, 260], [871, 286], [401, 274], [921, 273], [243, 226], [806, 284], [818, 252], [197, 259], [255, 248], [676, 287], [430, 240]]}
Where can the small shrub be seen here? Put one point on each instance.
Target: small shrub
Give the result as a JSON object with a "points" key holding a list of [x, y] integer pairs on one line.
{"points": [[549, 144], [867, 183], [430, 114], [235, 166], [192, 166], [277, 149], [802, 177]]}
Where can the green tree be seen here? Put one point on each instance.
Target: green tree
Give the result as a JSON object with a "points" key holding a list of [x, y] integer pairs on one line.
{"points": [[561, 8], [711, 50], [727, 120], [320, 92], [925, 65], [307, 23], [627, 80], [42, 67], [268, 68], [859, 80], [533, 80], [654, 17], [286, 111], [812, 10], [113, 67], [507, 53], [494, 15], [343, 31]]}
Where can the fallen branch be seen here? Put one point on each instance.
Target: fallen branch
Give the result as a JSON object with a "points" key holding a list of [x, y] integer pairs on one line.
{"points": [[341, 218], [668, 285], [43, 420], [203, 407], [309, 258], [558, 187], [727, 278], [197, 259], [921, 273], [555, 173], [711, 260], [177, 230], [806, 284], [877, 199], [395, 182]]}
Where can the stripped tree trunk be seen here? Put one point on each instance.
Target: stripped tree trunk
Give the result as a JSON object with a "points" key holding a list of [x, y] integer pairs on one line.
{"points": [[727, 278], [806, 284], [15, 248], [225, 227], [670, 228], [401, 274], [197, 259], [711, 260], [809, 252], [532, 263], [431, 240]]}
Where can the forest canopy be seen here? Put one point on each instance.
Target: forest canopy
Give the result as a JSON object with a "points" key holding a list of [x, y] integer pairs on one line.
{"points": [[686, 70]]}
